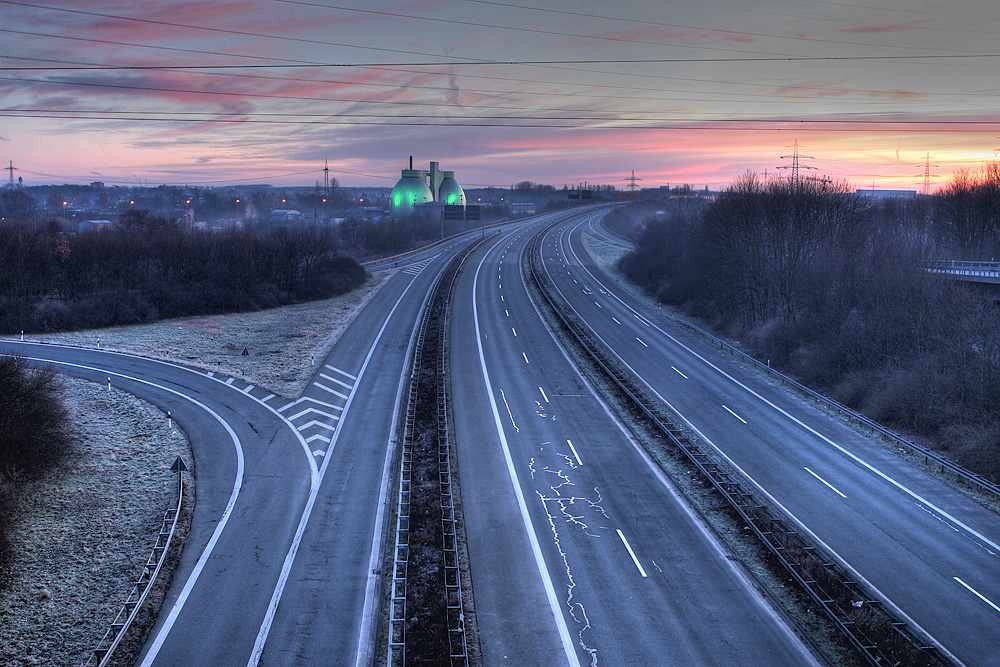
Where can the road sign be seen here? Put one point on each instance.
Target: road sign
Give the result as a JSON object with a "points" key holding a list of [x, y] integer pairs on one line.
{"points": [[178, 465]]}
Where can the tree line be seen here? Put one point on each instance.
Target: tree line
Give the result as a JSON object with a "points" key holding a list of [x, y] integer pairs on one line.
{"points": [[829, 286], [150, 269]]}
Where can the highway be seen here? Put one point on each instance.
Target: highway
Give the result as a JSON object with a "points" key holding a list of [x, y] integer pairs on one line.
{"points": [[929, 550], [281, 564], [581, 551]]}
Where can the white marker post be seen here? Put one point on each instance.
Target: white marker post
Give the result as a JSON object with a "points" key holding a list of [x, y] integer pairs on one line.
{"points": [[109, 386], [170, 421]]}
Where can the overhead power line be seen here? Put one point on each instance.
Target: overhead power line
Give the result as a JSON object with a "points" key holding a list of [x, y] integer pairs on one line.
{"points": [[739, 124]]}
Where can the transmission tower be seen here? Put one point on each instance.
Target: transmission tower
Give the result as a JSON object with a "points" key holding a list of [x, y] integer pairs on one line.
{"points": [[632, 186], [796, 165], [926, 164], [11, 169]]}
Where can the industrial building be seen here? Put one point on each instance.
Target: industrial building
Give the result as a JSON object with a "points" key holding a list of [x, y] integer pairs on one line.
{"points": [[423, 186]]}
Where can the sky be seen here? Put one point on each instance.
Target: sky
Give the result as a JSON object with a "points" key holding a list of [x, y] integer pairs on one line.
{"points": [[226, 92]]}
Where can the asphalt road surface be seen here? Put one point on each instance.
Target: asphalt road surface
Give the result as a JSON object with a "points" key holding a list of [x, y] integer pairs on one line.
{"points": [[929, 550], [581, 551]]}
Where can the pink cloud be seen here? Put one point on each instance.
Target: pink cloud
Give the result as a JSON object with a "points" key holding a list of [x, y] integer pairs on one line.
{"points": [[882, 29]]}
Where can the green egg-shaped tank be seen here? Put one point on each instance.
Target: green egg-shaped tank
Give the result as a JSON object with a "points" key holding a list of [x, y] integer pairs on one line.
{"points": [[410, 190], [451, 192]]}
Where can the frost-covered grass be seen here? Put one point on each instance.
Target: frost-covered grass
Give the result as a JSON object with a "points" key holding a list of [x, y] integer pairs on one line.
{"points": [[85, 532], [278, 341], [605, 255]]}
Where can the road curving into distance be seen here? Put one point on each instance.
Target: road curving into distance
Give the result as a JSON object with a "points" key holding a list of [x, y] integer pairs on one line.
{"points": [[582, 552], [927, 550]]}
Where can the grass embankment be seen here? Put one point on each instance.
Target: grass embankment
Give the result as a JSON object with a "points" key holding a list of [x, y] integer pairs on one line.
{"points": [[279, 341], [84, 532]]}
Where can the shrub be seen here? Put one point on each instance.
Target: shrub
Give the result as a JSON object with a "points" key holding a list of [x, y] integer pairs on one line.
{"points": [[34, 432]]}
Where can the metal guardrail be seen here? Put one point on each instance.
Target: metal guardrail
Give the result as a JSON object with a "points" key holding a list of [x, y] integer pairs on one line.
{"points": [[440, 304], [977, 482], [989, 271], [105, 649], [873, 631], [956, 266]]}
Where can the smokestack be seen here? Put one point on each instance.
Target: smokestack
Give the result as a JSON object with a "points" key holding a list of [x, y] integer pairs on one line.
{"points": [[411, 162], [435, 180]]}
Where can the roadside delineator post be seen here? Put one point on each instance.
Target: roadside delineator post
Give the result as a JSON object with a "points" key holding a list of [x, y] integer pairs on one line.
{"points": [[178, 467]]}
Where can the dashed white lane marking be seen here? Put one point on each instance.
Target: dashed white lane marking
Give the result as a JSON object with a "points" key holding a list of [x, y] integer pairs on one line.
{"points": [[525, 358], [977, 594], [679, 373], [616, 320], [598, 305], [543, 394], [641, 341], [577, 456], [631, 553], [734, 414], [831, 486], [336, 381], [337, 370], [332, 391], [515, 333], [506, 312]]}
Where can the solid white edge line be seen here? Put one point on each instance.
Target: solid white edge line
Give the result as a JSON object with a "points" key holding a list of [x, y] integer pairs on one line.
{"points": [[977, 594], [554, 605], [832, 487], [272, 609], [631, 553], [906, 617], [216, 534], [543, 394], [372, 603]]}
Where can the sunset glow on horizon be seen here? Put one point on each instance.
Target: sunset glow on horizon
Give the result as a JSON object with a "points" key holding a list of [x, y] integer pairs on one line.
{"points": [[264, 91]]}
